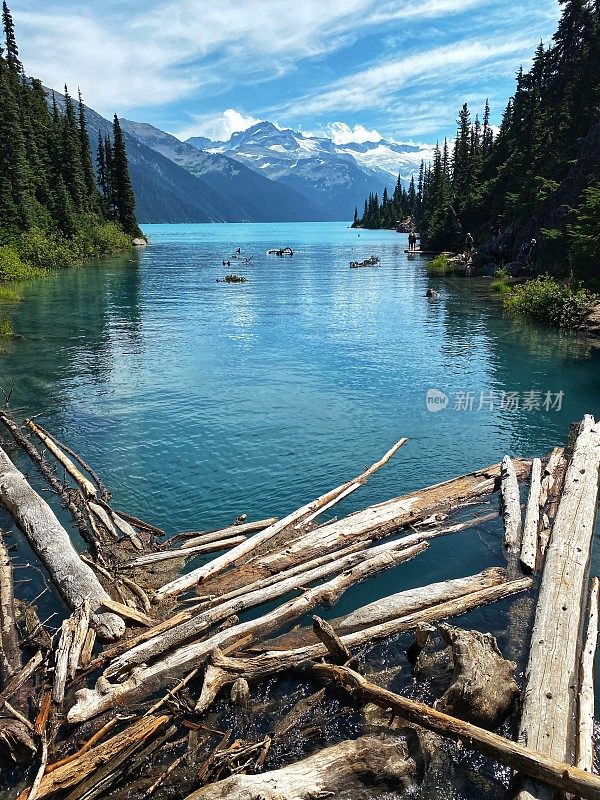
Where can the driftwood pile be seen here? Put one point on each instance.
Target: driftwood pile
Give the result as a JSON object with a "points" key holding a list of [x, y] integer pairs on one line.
{"points": [[120, 699]]}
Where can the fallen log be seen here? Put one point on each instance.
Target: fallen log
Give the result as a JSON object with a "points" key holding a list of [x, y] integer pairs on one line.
{"points": [[72, 577], [399, 605], [550, 695], [324, 501], [193, 538], [272, 662], [74, 771], [511, 510], [10, 652], [537, 765], [529, 546], [104, 493], [83, 527], [585, 706], [86, 486], [375, 522], [185, 552], [552, 484], [144, 681], [353, 563], [351, 768]]}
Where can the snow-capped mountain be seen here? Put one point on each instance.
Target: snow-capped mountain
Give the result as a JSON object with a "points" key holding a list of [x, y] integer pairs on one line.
{"points": [[339, 176]]}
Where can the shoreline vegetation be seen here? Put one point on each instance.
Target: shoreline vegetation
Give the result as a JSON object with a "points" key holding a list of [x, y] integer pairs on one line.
{"points": [[529, 194], [161, 661], [56, 209]]}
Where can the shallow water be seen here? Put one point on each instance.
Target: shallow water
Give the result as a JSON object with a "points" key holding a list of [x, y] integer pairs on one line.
{"points": [[197, 400]]}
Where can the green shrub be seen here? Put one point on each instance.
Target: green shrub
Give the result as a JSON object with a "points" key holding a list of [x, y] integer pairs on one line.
{"points": [[48, 251], [6, 329], [12, 268], [501, 285], [102, 240], [438, 264], [543, 298], [9, 295]]}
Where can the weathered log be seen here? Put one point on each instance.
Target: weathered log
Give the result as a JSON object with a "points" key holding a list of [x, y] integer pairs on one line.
{"points": [[104, 493], [483, 687], [186, 552], [61, 660], [225, 670], [193, 538], [398, 605], [82, 526], [529, 546], [338, 651], [74, 580], [535, 764], [86, 486], [353, 563], [144, 681], [552, 484], [374, 522], [511, 510], [549, 702], [217, 565], [10, 652], [128, 612], [352, 768], [585, 706], [73, 772]]}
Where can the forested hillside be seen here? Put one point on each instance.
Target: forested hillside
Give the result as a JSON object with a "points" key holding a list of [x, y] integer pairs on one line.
{"points": [[540, 176], [53, 210]]}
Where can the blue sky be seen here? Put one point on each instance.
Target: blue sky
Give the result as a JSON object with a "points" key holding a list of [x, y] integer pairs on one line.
{"points": [[351, 68]]}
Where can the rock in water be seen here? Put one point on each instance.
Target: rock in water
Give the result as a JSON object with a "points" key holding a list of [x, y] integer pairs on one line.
{"points": [[139, 242], [484, 687]]}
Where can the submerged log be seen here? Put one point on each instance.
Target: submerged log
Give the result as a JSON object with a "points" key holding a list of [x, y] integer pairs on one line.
{"points": [[535, 764], [529, 547], [549, 703], [585, 719], [217, 565], [483, 688], [72, 577], [353, 768]]}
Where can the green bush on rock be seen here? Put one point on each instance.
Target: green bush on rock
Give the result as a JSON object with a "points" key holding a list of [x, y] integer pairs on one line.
{"points": [[543, 298]]}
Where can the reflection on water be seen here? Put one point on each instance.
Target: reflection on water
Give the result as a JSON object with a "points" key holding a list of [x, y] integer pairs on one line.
{"points": [[197, 400]]}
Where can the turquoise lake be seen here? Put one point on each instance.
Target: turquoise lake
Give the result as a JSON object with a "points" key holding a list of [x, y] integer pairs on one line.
{"points": [[198, 400]]}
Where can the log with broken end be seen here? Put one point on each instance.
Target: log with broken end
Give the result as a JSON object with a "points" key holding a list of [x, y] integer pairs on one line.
{"points": [[74, 580], [217, 565]]}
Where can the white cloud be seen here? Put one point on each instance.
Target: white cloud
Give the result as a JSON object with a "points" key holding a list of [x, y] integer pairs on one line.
{"points": [[341, 133], [218, 127], [370, 88]]}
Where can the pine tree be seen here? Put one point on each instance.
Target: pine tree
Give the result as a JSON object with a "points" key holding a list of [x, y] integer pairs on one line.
{"points": [[89, 176], [123, 191], [72, 172], [12, 50]]}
